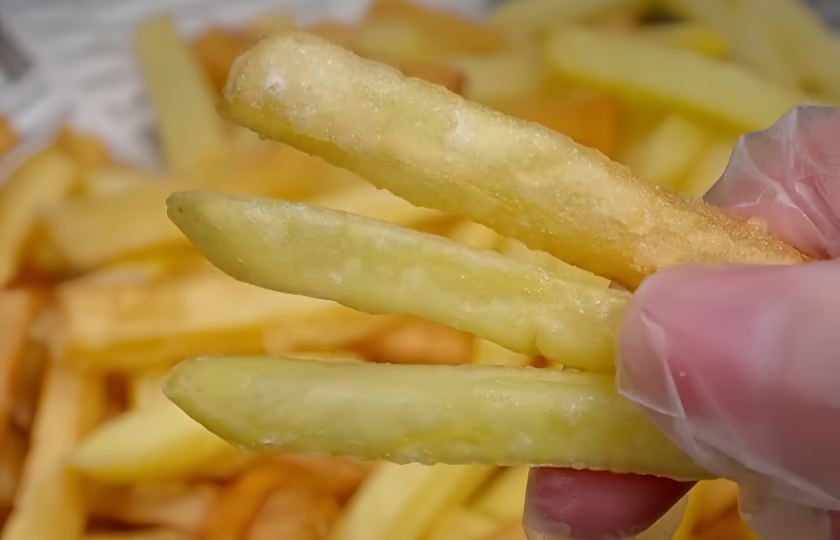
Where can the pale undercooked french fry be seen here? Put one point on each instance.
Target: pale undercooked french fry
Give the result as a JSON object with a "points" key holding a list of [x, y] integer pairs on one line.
{"points": [[504, 499], [707, 168], [513, 531], [39, 183], [487, 352], [751, 46], [401, 502], [492, 78], [667, 154], [516, 250], [506, 416], [676, 77], [381, 268], [155, 442], [191, 131], [538, 15], [688, 35], [437, 150], [50, 504]]}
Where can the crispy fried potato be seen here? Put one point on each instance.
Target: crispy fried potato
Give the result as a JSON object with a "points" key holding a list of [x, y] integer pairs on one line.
{"points": [[675, 77], [435, 73], [707, 168], [8, 136], [143, 534], [303, 406], [504, 498], [179, 507], [514, 531], [460, 524], [192, 133], [380, 268], [488, 353], [38, 184], [587, 118], [488, 79], [86, 150], [516, 250], [519, 179], [12, 455], [49, 503], [18, 309], [402, 502], [688, 35], [416, 341], [216, 50], [540, 15], [294, 514]]}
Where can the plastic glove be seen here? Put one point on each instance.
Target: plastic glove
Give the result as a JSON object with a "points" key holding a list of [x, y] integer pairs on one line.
{"points": [[739, 365]]}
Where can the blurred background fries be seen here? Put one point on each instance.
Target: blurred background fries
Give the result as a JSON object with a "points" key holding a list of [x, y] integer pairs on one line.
{"points": [[101, 293]]}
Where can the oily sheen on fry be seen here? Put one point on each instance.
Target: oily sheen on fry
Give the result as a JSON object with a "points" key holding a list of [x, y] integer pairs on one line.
{"points": [[437, 150], [378, 267], [426, 414]]}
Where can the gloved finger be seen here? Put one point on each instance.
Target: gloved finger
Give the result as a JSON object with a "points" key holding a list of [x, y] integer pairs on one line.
{"points": [[789, 176], [594, 505], [738, 365]]}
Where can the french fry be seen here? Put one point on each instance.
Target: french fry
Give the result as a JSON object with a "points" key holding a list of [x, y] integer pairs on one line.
{"points": [[707, 168], [12, 455], [191, 132], [667, 154], [216, 50], [504, 498], [750, 45], [337, 477], [516, 250], [454, 34], [435, 73], [460, 524], [85, 149], [688, 35], [488, 353], [805, 38], [49, 503], [177, 507], [294, 514], [521, 180], [396, 270], [8, 136], [401, 502], [488, 79], [587, 118], [473, 235], [18, 309], [152, 443], [302, 406], [540, 15], [145, 534], [675, 77], [332, 331], [513, 531], [335, 32], [39, 183], [417, 341]]}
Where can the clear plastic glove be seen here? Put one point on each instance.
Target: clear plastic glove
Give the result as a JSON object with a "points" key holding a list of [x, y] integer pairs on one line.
{"points": [[740, 365]]}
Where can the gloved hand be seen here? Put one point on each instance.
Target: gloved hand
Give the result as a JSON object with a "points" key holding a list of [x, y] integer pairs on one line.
{"points": [[738, 365]]}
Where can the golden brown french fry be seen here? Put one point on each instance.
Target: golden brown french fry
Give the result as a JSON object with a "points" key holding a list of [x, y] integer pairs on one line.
{"points": [[335, 32], [517, 178], [334, 476], [86, 150], [12, 455], [18, 309], [402, 502], [50, 504], [587, 118], [179, 507], [8, 136], [143, 534], [35, 186], [294, 514], [191, 132], [416, 341], [216, 50]]}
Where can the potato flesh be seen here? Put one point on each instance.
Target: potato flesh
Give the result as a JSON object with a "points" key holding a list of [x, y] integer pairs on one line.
{"points": [[425, 414], [436, 150], [378, 268]]}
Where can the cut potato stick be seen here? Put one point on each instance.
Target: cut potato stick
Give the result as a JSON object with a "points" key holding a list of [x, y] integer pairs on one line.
{"points": [[750, 45], [216, 50], [666, 155], [49, 503], [460, 524], [8, 136], [514, 531], [86, 150], [687, 35], [12, 455], [676, 77], [179, 507], [537, 15], [505, 416], [151, 444], [707, 169], [294, 514], [401, 502], [504, 76], [488, 353], [435, 73], [18, 309], [39, 183], [416, 341], [145, 534], [381, 268], [437, 150], [516, 250], [191, 131], [504, 499]]}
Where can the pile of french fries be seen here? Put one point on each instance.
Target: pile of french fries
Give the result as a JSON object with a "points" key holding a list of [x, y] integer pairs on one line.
{"points": [[102, 294]]}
